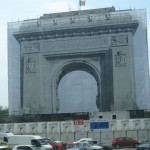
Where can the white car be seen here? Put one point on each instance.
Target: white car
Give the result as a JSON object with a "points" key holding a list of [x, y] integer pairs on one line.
{"points": [[96, 144], [89, 142], [25, 147], [3, 145], [89, 146], [92, 147], [84, 140]]}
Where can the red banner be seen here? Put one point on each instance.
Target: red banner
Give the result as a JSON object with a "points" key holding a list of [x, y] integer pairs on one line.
{"points": [[78, 122]]}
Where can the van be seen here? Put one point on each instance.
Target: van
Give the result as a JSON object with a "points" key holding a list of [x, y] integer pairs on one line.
{"points": [[35, 140], [5, 135]]}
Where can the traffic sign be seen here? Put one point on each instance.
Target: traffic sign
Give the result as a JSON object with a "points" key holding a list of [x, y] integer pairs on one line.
{"points": [[98, 125]]}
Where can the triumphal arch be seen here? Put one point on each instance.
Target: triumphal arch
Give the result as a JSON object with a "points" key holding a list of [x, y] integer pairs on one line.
{"points": [[97, 41]]}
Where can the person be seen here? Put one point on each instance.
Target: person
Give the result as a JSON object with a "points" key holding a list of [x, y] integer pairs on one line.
{"points": [[5, 139]]}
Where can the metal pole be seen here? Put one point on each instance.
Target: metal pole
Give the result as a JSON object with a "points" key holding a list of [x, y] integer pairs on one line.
{"points": [[100, 135], [148, 134]]}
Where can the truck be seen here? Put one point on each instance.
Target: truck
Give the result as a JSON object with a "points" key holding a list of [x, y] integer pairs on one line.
{"points": [[35, 140]]}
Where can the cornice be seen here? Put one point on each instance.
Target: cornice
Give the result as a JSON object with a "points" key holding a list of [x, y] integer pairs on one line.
{"points": [[78, 31]]}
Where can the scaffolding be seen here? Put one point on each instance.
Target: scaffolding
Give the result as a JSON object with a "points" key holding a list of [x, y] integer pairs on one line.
{"points": [[58, 22]]}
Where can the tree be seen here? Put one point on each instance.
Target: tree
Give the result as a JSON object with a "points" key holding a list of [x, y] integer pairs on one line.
{"points": [[3, 111]]}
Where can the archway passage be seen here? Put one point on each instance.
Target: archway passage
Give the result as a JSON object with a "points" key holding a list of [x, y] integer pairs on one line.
{"points": [[77, 91]]}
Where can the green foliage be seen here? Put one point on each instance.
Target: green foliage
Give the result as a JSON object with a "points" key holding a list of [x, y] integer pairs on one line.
{"points": [[3, 111]]}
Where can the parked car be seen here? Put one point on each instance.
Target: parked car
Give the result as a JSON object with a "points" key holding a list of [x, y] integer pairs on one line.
{"points": [[89, 141], [124, 142], [91, 146], [144, 146], [79, 146], [25, 147], [75, 144], [55, 145], [96, 143], [84, 140]]}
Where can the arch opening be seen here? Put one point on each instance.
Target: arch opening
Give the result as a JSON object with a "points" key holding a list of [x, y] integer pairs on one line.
{"points": [[85, 79], [77, 92]]}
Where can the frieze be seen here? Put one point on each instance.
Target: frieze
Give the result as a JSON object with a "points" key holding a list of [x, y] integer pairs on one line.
{"points": [[119, 40], [31, 47], [75, 45], [120, 59]]}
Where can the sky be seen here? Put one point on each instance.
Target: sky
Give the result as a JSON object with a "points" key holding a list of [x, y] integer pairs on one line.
{"points": [[18, 10]]}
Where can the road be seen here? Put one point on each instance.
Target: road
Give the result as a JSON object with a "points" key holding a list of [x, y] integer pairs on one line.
{"points": [[125, 149]]}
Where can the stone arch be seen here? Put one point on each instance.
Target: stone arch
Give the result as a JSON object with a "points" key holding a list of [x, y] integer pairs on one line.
{"points": [[74, 65]]}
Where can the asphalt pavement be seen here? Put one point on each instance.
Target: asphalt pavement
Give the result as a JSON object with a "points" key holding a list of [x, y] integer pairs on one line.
{"points": [[125, 149]]}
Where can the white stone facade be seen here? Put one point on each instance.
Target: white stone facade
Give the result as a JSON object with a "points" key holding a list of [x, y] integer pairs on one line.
{"points": [[101, 42]]}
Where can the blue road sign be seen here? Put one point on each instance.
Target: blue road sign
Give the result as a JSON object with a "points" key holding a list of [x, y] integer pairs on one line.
{"points": [[97, 125]]}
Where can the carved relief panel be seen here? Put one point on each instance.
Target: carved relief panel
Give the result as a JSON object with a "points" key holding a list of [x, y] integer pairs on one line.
{"points": [[30, 65], [30, 47]]}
